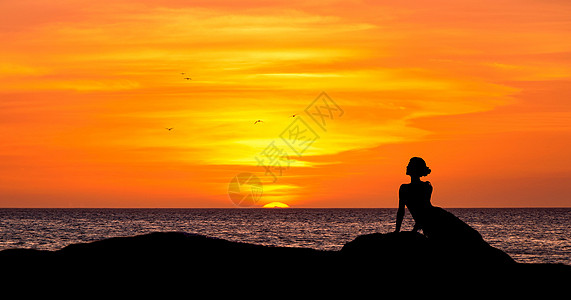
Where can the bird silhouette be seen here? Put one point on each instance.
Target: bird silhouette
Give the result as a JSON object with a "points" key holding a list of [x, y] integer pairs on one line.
{"points": [[187, 78], [293, 116], [169, 128], [259, 121], [182, 73]]}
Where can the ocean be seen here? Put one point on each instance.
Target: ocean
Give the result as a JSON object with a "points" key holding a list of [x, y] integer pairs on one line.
{"points": [[530, 235]]}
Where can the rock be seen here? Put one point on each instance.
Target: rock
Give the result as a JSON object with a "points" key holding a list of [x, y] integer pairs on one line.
{"points": [[406, 253], [388, 250], [415, 249], [163, 254]]}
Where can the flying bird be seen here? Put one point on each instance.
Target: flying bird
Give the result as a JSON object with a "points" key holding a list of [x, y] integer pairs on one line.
{"points": [[187, 78], [169, 128], [293, 116], [182, 73], [259, 121]]}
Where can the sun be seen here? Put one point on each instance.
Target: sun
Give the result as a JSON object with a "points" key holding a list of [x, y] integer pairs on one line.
{"points": [[276, 205]]}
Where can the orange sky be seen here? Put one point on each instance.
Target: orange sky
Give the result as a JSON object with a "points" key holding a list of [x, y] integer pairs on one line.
{"points": [[480, 89]]}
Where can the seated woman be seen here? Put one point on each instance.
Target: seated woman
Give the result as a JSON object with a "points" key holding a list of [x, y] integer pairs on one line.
{"points": [[435, 222]]}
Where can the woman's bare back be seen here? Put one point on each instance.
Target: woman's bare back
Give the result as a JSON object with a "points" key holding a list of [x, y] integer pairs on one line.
{"points": [[416, 196]]}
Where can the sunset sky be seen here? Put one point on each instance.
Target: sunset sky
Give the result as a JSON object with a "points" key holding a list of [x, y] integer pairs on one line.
{"points": [[480, 89]]}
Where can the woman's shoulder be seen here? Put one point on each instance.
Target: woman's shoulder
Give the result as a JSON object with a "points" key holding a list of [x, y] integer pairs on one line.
{"points": [[429, 185]]}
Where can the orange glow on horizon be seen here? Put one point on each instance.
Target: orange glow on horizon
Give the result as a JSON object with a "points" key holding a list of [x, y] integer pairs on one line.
{"points": [[479, 89]]}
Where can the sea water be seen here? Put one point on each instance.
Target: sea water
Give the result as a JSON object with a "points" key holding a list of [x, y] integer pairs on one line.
{"points": [[532, 235]]}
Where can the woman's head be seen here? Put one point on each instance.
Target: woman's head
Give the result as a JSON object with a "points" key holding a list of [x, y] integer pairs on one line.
{"points": [[417, 167]]}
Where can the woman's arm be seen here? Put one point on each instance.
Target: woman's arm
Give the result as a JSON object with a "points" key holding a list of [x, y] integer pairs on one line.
{"points": [[400, 211]]}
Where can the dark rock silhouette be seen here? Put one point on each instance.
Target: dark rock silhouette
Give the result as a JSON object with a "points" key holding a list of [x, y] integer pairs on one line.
{"points": [[414, 250], [368, 257]]}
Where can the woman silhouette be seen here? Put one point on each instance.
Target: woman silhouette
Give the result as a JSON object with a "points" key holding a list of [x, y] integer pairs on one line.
{"points": [[435, 222]]}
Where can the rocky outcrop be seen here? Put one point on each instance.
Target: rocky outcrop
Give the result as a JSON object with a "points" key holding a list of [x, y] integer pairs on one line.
{"points": [[412, 248], [397, 256]]}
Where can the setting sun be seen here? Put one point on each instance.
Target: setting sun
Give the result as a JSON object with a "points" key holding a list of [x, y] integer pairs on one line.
{"points": [[276, 205]]}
